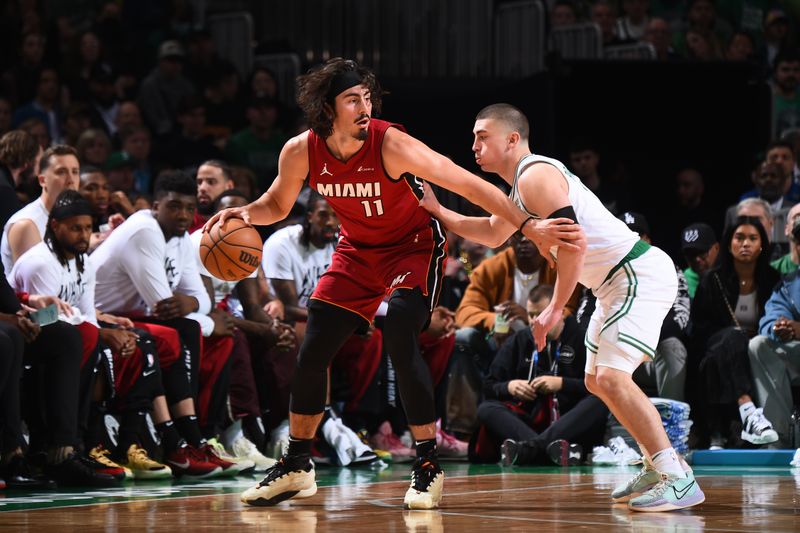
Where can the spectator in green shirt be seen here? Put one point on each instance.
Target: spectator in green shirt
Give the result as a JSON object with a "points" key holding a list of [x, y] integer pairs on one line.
{"points": [[789, 262], [700, 248], [259, 145]]}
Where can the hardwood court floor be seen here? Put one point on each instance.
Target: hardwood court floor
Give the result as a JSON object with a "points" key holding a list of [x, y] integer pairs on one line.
{"points": [[485, 498]]}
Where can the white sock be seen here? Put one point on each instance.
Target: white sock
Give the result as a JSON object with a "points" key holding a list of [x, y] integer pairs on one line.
{"points": [[645, 455], [745, 409], [666, 461], [685, 465]]}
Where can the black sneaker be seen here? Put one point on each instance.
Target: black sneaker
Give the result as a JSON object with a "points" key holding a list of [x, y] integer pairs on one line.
{"points": [[19, 475], [427, 483], [522, 452], [284, 480], [564, 453], [74, 472]]}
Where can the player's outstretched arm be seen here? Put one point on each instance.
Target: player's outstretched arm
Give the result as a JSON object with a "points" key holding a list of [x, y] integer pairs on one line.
{"points": [[490, 231], [494, 231], [544, 190], [277, 202], [403, 153]]}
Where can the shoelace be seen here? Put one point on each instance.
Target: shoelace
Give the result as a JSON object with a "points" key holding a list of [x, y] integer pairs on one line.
{"points": [[758, 421], [101, 456], [140, 454], [276, 471], [423, 474], [638, 476], [660, 487]]}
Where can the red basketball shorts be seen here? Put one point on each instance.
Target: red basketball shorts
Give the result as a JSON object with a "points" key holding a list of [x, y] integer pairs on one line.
{"points": [[359, 277]]}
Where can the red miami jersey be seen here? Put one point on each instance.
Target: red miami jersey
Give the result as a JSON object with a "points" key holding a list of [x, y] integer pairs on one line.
{"points": [[374, 209]]}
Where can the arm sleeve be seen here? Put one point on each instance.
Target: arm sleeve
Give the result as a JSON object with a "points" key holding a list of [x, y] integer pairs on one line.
{"points": [[191, 284], [145, 267]]}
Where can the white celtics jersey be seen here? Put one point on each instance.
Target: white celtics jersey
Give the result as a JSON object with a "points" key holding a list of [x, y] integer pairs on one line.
{"points": [[608, 238]]}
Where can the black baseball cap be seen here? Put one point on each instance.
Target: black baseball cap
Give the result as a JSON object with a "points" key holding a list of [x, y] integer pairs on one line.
{"points": [[636, 222], [698, 237]]}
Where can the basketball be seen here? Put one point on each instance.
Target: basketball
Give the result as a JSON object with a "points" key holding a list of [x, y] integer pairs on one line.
{"points": [[233, 253]]}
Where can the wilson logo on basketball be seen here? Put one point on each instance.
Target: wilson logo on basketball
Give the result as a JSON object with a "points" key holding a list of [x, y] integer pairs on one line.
{"points": [[249, 259]]}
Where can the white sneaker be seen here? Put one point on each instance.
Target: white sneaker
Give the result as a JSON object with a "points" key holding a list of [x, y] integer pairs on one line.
{"points": [[240, 465], [279, 440], [757, 429], [281, 483], [337, 439], [427, 484], [242, 448], [362, 454], [796, 459]]}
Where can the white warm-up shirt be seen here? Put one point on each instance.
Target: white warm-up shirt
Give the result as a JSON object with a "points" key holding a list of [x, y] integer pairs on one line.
{"points": [[38, 271], [137, 268], [286, 258], [34, 211]]}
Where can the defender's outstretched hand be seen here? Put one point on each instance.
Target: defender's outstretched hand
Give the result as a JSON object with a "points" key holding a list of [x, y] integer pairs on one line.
{"points": [[225, 214], [544, 323], [429, 202], [550, 232]]}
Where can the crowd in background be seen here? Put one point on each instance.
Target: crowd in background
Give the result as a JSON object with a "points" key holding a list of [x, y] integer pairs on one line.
{"points": [[139, 130]]}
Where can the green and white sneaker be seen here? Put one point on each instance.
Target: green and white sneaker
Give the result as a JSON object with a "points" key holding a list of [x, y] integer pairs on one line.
{"points": [[643, 480], [669, 494]]}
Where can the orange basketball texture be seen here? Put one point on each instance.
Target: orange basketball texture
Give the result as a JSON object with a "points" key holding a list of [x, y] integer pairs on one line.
{"points": [[231, 254]]}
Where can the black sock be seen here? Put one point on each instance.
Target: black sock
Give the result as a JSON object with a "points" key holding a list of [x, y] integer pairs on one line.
{"points": [[96, 433], [190, 430], [170, 439], [299, 447], [254, 430], [130, 427], [426, 448]]}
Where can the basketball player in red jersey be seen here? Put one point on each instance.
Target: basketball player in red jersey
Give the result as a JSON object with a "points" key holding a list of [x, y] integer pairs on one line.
{"points": [[371, 172]]}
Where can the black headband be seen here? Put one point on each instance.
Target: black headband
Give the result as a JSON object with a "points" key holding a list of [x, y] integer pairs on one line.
{"points": [[74, 209], [343, 81]]}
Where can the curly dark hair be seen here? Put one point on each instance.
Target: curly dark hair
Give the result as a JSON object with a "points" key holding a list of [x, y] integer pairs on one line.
{"points": [[317, 104], [66, 198]]}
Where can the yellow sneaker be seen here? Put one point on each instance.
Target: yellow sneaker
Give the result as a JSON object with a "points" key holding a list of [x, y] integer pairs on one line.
{"points": [[105, 465], [144, 467]]}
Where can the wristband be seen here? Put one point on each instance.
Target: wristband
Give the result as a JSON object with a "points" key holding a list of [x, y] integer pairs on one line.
{"points": [[530, 217], [23, 297]]}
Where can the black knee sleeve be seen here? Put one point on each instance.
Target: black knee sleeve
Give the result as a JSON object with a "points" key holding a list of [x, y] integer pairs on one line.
{"points": [[406, 317], [147, 386], [328, 328]]}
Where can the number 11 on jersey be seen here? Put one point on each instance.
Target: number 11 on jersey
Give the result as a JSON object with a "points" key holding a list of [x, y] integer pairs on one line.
{"points": [[368, 208]]}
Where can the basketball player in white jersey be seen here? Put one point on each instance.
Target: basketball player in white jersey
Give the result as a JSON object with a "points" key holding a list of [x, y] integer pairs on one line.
{"points": [[635, 285], [58, 170]]}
